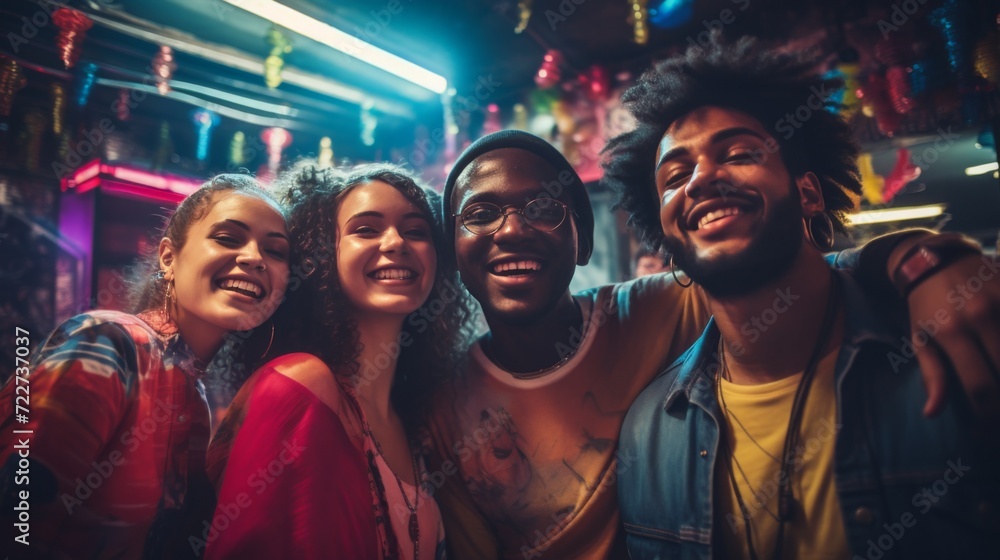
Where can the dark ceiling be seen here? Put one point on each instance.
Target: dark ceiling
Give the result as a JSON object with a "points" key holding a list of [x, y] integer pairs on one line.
{"points": [[471, 43]]}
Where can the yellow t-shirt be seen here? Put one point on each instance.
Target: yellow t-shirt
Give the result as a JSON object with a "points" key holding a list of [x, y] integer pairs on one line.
{"points": [[528, 468], [757, 422]]}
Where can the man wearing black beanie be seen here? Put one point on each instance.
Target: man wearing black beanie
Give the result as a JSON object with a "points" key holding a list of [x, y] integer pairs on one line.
{"points": [[525, 439], [531, 426]]}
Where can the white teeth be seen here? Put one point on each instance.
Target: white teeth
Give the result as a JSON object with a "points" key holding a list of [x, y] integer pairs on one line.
{"points": [[241, 285], [717, 214], [394, 274], [517, 266]]}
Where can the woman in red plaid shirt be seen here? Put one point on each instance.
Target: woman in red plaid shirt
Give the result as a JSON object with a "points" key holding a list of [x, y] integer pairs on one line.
{"points": [[109, 459]]}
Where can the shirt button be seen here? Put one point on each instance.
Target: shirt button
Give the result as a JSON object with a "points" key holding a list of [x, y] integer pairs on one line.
{"points": [[864, 515], [182, 418], [704, 453]]}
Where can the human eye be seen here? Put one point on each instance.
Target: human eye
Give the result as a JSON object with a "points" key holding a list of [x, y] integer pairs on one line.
{"points": [[481, 214], [279, 253], [744, 155], [418, 232], [674, 178], [544, 210], [365, 230], [226, 240]]}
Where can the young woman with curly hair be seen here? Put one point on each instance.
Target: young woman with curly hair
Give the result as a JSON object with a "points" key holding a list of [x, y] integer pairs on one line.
{"points": [[118, 425], [325, 436]]}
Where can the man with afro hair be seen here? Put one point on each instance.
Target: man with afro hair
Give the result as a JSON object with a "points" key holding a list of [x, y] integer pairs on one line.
{"points": [[793, 427]]}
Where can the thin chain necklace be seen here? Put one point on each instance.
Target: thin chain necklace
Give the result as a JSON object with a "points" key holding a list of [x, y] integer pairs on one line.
{"points": [[730, 414], [413, 525], [492, 355], [786, 500], [725, 409]]}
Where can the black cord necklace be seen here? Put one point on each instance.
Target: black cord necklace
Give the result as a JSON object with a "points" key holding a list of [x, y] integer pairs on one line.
{"points": [[413, 526], [491, 353], [786, 500]]}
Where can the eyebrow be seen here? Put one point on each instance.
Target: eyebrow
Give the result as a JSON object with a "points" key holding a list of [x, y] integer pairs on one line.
{"points": [[719, 136], [376, 214], [245, 227]]}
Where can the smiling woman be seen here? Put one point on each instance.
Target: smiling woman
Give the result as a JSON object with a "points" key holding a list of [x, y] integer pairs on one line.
{"points": [[119, 425], [373, 327]]}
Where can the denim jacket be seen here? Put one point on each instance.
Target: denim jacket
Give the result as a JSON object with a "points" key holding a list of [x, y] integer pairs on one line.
{"points": [[908, 486]]}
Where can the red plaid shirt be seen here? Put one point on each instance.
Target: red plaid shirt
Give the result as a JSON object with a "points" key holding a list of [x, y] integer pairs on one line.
{"points": [[119, 427]]}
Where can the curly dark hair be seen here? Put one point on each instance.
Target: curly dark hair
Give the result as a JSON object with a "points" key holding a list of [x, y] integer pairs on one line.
{"points": [[769, 86], [317, 316]]}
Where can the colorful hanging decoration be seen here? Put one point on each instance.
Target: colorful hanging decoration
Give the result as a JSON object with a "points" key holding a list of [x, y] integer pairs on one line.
{"points": [[595, 83], [276, 140], [901, 175], [668, 14], [893, 54], [492, 122], [122, 111], [204, 122], [34, 131], [851, 103], [73, 26], [325, 157], [163, 67], [237, 149], [58, 91], [640, 21], [520, 116], [986, 58], [900, 95], [11, 81], [164, 147], [368, 124], [85, 84], [872, 184], [280, 46], [950, 22], [523, 15], [875, 98], [549, 74]]}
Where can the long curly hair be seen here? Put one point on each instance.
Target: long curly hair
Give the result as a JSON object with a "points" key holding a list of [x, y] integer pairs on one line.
{"points": [[317, 316], [781, 91]]}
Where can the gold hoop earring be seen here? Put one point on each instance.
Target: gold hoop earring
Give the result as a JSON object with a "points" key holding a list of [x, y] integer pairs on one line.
{"points": [[821, 236], [269, 343], [673, 272]]}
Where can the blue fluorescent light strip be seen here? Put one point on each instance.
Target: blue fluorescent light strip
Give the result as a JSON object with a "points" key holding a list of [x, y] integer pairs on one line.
{"points": [[336, 39]]}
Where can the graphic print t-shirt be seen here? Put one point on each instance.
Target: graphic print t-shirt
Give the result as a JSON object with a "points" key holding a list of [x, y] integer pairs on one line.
{"points": [[528, 467]]}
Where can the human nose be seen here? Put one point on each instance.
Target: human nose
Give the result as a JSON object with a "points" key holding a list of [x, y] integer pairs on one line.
{"points": [[251, 256], [392, 241], [707, 181], [512, 223]]}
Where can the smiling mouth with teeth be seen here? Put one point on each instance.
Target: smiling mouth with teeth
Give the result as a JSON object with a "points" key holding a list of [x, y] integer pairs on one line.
{"points": [[516, 267], [718, 215], [242, 287], [393, 274]]}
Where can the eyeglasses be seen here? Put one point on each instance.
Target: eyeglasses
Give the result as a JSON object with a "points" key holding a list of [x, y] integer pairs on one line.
{"points": [[486, 218]]}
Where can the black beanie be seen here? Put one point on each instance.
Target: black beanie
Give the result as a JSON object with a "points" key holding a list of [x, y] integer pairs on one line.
{"points": [[525, 141]]}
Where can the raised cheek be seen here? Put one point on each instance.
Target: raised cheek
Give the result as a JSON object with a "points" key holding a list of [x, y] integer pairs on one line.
{"points": [[669, 211]]}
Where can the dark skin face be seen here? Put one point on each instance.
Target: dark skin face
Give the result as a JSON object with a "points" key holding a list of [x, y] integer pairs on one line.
{"points": [[730, 211], [519, 274]]}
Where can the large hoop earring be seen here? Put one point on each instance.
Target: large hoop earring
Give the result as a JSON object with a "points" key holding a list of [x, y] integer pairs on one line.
{"points": [[821, 235], [673, 272], [269, 343]]}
